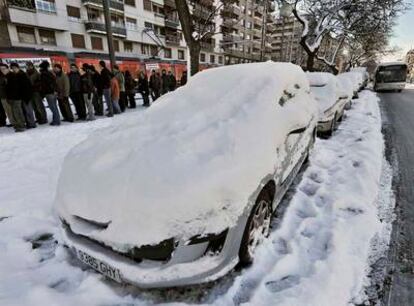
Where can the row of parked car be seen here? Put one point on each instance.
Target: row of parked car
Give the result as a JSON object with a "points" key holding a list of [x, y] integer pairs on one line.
{"points": [[334, 94], [182, 193]]}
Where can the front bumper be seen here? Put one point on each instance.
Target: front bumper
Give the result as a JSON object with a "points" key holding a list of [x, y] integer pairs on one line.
{"points": [[155, 274], [325, 124]]}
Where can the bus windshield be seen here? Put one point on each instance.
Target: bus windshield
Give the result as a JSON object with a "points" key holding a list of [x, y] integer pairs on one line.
{"points": [[391, 74]]}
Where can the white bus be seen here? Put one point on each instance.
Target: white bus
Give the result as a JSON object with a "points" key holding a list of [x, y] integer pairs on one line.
{"points": [[390, 76]]}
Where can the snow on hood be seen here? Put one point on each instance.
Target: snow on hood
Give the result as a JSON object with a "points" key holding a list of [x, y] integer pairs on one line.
{"points": [[346, 88], [325, 88], [356, 78], [188, 164]]}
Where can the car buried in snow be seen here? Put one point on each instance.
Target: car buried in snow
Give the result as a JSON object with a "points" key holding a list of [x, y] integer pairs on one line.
{"points": [[180, 193], [332, 100]]}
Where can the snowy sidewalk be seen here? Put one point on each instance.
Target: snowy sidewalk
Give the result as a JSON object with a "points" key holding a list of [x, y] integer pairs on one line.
{"points": [[317, 255]]}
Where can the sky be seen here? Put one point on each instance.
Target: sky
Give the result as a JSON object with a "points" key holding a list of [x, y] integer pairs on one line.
{"points": [[404, 33]]}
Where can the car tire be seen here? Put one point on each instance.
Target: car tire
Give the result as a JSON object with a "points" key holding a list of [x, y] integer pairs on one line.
{"points": [[257, 228]]}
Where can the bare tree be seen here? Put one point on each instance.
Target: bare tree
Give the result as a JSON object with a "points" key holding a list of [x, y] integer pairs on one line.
{"points": [[197, 30]]}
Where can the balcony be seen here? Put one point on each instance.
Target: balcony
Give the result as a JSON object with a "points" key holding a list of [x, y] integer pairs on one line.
{"points": [[207, 46], [172, 39], [170, 3], [171, 22], [230, 23], [99, 28], [231, 38], [114, 5], [230, 11], [242, 55], [23, 4]]}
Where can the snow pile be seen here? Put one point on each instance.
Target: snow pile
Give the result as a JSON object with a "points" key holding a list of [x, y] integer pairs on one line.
{"points": [[356, 78], [346, 85], [190, 163], [325, 88], [319, 254]]}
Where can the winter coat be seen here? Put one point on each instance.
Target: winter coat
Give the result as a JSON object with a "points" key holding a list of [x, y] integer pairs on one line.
{"points": [[115, 92], [172, 84], [87, 83], [63, 85], [34, 77], [75, 82], [106, 78], [3, 84], [183, 80], [143, 87], [47, 82], [97, 82], [129, 85], [18, 86], [155, 82], [121, 80], [165, 82]]}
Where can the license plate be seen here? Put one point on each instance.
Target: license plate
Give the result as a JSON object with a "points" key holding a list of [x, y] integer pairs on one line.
{"points": [[99, 266]]}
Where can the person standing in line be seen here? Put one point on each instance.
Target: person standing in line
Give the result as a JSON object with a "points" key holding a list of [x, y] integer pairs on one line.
{"points": [[98, 91], [143, 88], [87, 90], [155, 85], [121, 82], [17, 83], [130, 89], [106, 77], [48, 91], [3, 116], [115, 94], [4, 70], [27, 94], [183, 79], [63, 90], [37, 101], [165, 82], [172, 82], [75, 92]]}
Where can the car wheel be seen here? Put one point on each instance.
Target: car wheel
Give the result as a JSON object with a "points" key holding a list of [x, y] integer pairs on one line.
{"points": [[257, 229]]}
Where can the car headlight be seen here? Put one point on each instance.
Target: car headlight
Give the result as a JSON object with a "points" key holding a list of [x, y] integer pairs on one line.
{"points": [[215, 241]]}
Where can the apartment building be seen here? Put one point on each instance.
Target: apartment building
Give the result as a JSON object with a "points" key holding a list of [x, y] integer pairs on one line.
{"points": [[146, 32], [245, 29], [409, 59]]}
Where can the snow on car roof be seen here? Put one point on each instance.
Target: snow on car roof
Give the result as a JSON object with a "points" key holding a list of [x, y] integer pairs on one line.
{"points": [[188, 164], [325, 88], [391, 64]]}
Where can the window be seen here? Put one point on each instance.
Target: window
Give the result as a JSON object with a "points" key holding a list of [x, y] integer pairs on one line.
{"points": [[148, 25], [157, 9], [97, 43], [128, 46], [181, 55], [147, 5], [73, 12], [26, 35], [167, 53], [78, 41], [212, 59], [202, 57], [154, 50], [116, 45], [144, 49], [130, 2], [47, 37], [46, 6], [131, 23], [220, 60]]}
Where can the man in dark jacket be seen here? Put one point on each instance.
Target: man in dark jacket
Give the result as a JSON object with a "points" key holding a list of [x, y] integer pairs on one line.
{"points": [[143, 88], [5, 109], [48, 90], [18, 89], [98, 91], [165, 82], [37, 101], [106, 77], [87, 90], [155, 85], [63, 90], [183, 79], [172, 82], [75, 92]]}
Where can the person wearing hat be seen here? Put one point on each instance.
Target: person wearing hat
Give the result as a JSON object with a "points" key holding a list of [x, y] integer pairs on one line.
{"points": [[87, 89], [5, 108], [18, 89], [76, 92], [48, 90], [36, 101], [105, 79], [63, 90]]}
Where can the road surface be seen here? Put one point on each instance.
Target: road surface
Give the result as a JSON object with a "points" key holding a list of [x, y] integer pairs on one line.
{"points": [[398, 109]]}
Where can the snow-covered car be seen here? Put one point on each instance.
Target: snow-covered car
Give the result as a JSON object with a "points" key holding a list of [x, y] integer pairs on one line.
{"points": [[182, 192], [346, 88], [356, 80], [364, 75], [331, 99]]}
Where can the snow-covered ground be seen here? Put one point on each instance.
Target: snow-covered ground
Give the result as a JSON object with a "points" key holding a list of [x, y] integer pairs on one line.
{"points": [[319, 251]]}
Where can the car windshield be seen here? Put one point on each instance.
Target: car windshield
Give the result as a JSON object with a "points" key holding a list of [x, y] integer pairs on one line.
{"points": [[391, 74]]}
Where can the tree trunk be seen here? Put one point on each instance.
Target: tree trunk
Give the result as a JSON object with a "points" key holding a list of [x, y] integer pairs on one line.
{"points": [[310, 63], [195, 49]]}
